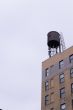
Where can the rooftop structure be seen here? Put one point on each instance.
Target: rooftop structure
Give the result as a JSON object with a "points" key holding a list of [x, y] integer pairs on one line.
{"points": [[57, 76]]}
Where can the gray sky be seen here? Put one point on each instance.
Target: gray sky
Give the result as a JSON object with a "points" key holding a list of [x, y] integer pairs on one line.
{"points": [[23, 28]]}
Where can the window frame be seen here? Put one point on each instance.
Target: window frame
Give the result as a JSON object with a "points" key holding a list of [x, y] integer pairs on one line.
{"points": [[71, 72], [62, 93], [62, 105], [72, 88], [70, 58], [46, 72], [46, 100], [61, 79], [61, 64], [46, 85]]}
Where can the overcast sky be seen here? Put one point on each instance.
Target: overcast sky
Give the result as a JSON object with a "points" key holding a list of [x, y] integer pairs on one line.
{"points": [[24, 25]]}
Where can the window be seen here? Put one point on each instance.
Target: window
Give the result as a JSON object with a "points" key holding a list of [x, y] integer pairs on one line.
{"points": [[52, 97], [46, 72], [71, 72], [61, 64], [52, 83], [62, 93], [46, 99], [61, 78], [46, 85], [72, 87], [71, 58], [63, 107]]}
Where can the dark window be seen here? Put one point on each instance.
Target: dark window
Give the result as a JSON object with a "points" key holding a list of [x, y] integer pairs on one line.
{"points": [[61, 64], [72, 87], [63, 107], [61, 78], [46, 72], [71, 72], [46, 85], [71, 58], [46, 99], [62, 93]]}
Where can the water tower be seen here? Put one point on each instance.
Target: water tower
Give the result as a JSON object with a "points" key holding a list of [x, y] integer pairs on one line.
{"points": [[55, 43]]}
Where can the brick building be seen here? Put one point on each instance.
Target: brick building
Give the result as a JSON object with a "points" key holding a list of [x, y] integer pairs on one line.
{"points": [[57, 81]]}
